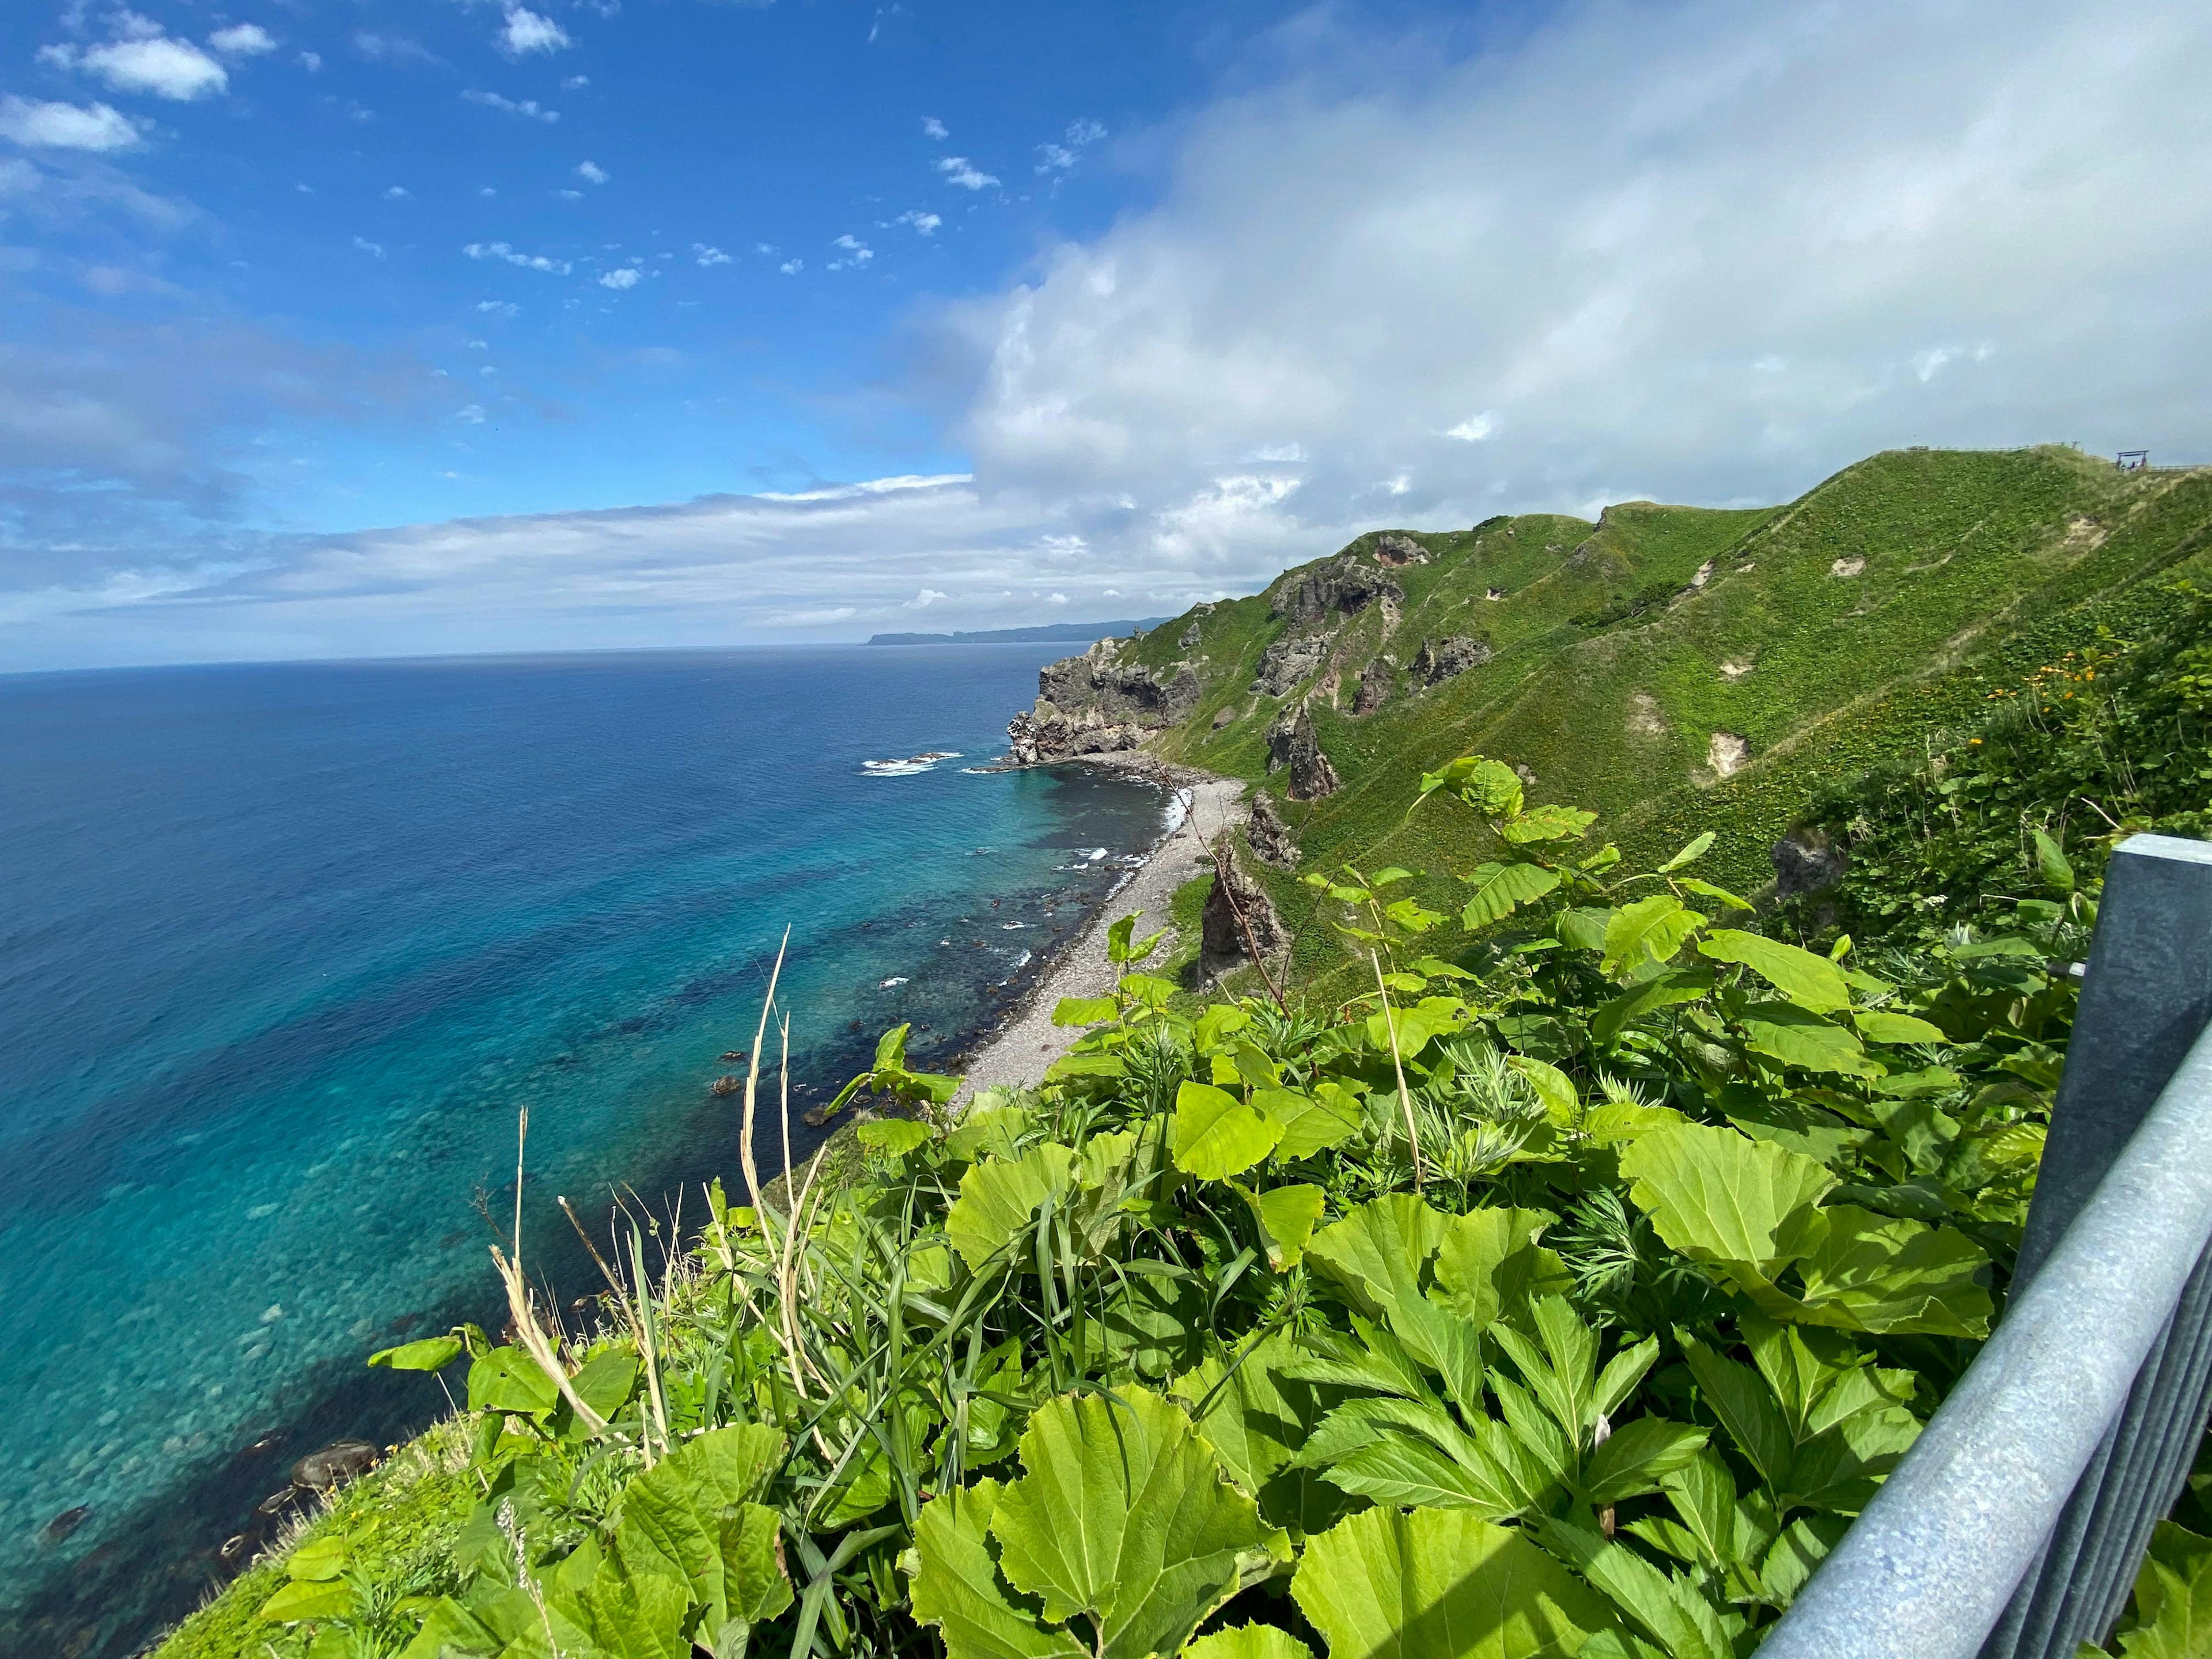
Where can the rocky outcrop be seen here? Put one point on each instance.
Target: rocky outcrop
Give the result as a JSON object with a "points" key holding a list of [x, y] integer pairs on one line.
{"points": [[1293, 745], [1288, 663], [1189, 638], [1224, 717], [1270, 836], [1807, 861], [1433, 664], [1342, 586], [1377, 682], [1096, 704], [1235, 908], [1398, 552]]}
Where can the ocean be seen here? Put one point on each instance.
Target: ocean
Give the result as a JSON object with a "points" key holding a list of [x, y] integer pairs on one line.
{"points": [[285, 949]]}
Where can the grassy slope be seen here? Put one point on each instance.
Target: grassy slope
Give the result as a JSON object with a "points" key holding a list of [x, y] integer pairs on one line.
{"points": [[1606, 682]]}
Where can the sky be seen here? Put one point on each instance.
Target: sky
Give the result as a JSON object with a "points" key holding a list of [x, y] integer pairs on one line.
{"points": [[341, 328]]}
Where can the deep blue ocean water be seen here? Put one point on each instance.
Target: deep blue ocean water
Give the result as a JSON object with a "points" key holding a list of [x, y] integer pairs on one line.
{"points": [[284, 948]]}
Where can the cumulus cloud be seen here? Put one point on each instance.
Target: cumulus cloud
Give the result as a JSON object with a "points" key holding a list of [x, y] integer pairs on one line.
{"points": [[36, 124], [526, 261], [527, 32], [623, 277], [312, 61], [497, 307], [934, 128], [925, 224], [575, 83], [792, 267], [706, 256], [242, 40], [145, 60], [591, 173], [398, 193], [856, 252], [957, 169]]}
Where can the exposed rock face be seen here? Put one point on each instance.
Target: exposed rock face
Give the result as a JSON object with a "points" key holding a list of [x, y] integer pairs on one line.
{"points": [[1270, 836], [1375, 685], [1189, 636], [1434, 664], [1807, 861], [1223, 717], [1342, 585], [1727, 753], [1292, 743], [1222, 925], [1095, 704], [1398, 551], [1289, 661]]}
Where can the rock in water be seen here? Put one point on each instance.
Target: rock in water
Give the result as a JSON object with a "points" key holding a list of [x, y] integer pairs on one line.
{"points": [[1292, 743], [1287, 662], [1095, 704], [1270, 836], [65, 1523], [1807, 861], [335, 1464], [1377, 682]]}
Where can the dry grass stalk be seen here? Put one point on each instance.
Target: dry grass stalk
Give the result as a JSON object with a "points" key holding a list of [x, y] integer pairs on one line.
{"points": [[1405, 1100]]}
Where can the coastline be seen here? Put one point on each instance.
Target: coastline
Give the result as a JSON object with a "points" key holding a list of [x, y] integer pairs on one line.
{"points": [[1016, 1053]]}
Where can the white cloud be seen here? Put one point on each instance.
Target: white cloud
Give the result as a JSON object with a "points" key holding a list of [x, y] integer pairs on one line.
{"points": [[622, 278], [1474, 428], [934, 128], [857, 253], [36, 124], [527, 32], [925, 224], [958, 170], [242, 40], [369, 248], [398, 194], [792, 267], [709, 256], [591, 173], [575, 83], [1085, 132], [312, 61], [527, 261], [469, 414], [923, 600], [1054, 158], [570, 195], [142, 62], [528, 107]]}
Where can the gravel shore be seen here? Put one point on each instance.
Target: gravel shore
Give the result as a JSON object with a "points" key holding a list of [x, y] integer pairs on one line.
{"points": [[1027, 1041]]}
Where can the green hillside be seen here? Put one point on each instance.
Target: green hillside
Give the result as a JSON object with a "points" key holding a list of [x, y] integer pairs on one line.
{"points": [[1853, 626]]}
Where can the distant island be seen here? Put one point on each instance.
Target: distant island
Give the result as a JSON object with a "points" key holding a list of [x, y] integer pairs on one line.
{"points": [[1049, 634]]}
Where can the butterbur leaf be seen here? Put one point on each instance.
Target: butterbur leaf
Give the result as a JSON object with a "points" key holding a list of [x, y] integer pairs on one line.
{"points": [[633, 1618], [1378, 1251], [1218, 1135], [957, 1585], [1311, 1123], [1083, 1010], [431, 1353], [1286, 1217], [1652, 929], [1796, 1036], [675, 1515], [1808, 980], [2173, 1613], [1441, 1584], [308, 1598], [1719, 1196], [1490, 1263], [1879, 1274], [999, 1199], [1499, 887], [1547, 823], [893, 1137], [1124, 1519], [1552, 1086], [1247, 1642]]}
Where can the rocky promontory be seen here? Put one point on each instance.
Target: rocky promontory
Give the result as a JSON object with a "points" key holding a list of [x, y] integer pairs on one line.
{"points": [[1097, 704]]}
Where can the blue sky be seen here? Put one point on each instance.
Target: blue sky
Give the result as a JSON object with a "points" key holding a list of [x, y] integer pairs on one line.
{"points": [[366, 326]]}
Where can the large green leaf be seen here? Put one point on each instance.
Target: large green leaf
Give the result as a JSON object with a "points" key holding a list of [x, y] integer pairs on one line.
{"points": [[1125, 1518], [1719, 1196], [958, 1589], [1441, 1584], [1650, 930], [1256, 1418], [1808, 980], [1874, 1273], [1377, 1252], [1667, 1609], [1637, 1457], [1662, 990], [431, 1353], [1499, 887], [1286, 1217], [509, 1380], [2173, 1614], [998, 1199], [1247, 1642], [1489, 1263], [693, 1519], [1795, 1037], [1552, 823], [1218, 1135], [1311, 1123], [1881, 1025]]}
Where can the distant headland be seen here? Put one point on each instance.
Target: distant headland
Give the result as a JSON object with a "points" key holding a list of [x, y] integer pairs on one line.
{"points": [[1049, 634]]}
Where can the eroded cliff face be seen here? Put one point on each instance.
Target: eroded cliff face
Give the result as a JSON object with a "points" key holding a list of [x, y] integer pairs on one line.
{"points": [[1096, 704]]}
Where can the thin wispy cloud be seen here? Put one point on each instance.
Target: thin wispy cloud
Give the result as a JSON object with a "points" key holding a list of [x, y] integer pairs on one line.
{"points": [[958, 170], [591, 173], [528, 107], [934, 128], [924, 223], [500, 251]]}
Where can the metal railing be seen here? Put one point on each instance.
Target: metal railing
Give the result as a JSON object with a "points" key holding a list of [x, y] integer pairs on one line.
{"points": [[2014, 1527]]}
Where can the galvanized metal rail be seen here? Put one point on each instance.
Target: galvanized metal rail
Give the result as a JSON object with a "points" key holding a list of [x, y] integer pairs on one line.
{"points": [[2014, 1527]]}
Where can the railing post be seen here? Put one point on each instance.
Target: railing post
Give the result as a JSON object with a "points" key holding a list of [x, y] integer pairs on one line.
{"points": [[2147, 997]]}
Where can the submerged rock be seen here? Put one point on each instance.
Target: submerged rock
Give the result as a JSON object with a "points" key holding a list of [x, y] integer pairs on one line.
{"points": [[333, 1465], [1271, 840], [65, 1523]]}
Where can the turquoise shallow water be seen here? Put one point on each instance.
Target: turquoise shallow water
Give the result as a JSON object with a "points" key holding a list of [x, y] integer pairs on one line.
{"points": [[283, 950]]}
